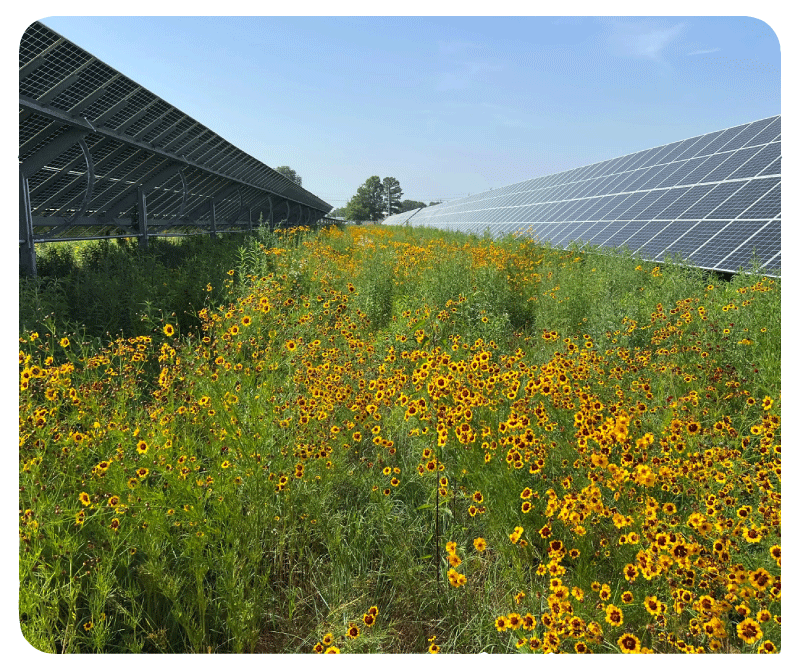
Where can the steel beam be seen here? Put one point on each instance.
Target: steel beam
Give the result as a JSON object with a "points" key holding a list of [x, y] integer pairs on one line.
{"points": [[165, 131], [115, 108], [119, 130], [93, 97], [271, 215], [203, 208], [128, 198], [56, 175], [52, 150], [234, 219], [153, 124], [213, 208], [27, 250], [87, 196], [179, 137], [183, 199], [142, 212], [89, 180], [106, 179]]}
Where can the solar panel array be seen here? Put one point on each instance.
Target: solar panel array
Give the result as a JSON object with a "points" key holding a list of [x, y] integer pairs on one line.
{"points": [[90, 138], [711, 201]]}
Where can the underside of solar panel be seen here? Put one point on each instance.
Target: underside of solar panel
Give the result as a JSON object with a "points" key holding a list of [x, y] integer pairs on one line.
{"points": [[712, 201], [98, 151]]}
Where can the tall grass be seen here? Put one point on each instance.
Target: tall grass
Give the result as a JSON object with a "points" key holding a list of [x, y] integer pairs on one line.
{"points": [[108, 288], [403, 440]]}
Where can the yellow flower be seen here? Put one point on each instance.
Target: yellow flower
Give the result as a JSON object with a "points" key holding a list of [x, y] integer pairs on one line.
{"points": [[169, 330], [614, 615], [749, 631], [629, 644]]}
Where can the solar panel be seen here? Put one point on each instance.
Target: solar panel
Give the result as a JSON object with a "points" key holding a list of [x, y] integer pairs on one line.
{"points": [[90, 139], [713, 201]]}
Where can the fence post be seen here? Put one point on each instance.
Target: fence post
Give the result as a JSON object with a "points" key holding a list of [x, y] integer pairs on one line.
{"points": [[271, 215], [142, 211], [27, 250], [213, 220]]}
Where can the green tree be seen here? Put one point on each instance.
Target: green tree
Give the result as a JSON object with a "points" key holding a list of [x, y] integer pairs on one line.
{"points": [[367, 203], [338, 213], [287, 172], [408, 205], [391, 196], [431, 204]]}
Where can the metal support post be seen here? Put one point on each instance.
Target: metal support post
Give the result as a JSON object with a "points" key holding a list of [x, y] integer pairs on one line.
{"points": [[142, 212], [213, 220], [271, 215], [27, 250]]}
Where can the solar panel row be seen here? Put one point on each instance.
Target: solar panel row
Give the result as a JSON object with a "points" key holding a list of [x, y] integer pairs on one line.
{"points": [[59, 74], [713, 201], [101, 156]]}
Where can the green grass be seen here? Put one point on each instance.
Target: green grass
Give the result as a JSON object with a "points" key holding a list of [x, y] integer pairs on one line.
{"points": [[216, 472]]}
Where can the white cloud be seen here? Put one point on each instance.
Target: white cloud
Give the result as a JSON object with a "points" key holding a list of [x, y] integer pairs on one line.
{"points": [[645, 39], [703, 51]]}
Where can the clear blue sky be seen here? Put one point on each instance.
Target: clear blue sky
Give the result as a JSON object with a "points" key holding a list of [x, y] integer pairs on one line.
{"points": [[447, 105]]}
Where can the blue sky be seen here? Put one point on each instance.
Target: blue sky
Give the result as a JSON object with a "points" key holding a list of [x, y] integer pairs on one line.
{"points": [[448, 105]]}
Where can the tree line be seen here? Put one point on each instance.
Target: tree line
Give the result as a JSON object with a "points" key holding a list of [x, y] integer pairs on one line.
{"points": [[376, 199]]}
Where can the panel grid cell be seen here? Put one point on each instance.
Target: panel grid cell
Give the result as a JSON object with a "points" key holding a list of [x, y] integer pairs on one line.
{"points": [[728, 239], [771, 133], [758, 162], [687, 243], [762, 246]]}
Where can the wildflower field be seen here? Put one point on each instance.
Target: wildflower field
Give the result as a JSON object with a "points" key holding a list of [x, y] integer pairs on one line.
{"points": [[404, 440]]}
